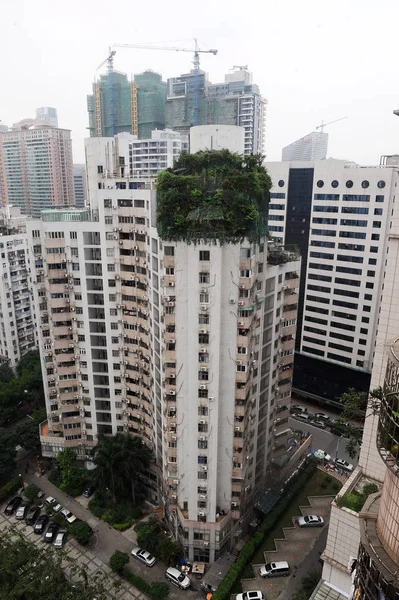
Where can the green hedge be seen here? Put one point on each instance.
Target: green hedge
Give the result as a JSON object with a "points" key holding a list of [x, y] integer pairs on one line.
{"points": [[224, 590], [156, 590], [9, 488], [121, 526]]}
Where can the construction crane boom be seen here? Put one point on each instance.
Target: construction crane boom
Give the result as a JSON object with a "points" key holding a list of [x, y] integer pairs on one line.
{"points": [[196, 62], [322, 125]]}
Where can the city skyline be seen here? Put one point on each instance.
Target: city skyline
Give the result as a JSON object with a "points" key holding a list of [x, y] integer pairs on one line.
{"points": [[327, 87]]}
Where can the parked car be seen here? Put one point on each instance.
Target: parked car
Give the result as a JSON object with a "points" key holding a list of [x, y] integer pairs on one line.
{"points": [[61, 538], [302, 417], [88, 491], [51, 532], [22, 510], [322, 455], [40, 494], [250, 596], [310, 521], [13, 505], [343, 464], [41, 524], [68, 515], [32, 515], [144, 556], [275, 569], [177, 578], [322, 417], [57, 507], [51, 501], [319, 424], [295, 408]]}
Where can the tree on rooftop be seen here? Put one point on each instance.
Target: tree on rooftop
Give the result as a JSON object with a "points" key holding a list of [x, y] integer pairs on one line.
{"points": [[213, 195]]}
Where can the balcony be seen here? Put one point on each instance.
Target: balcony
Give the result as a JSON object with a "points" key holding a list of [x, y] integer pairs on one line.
{"points": [[279, 255]]}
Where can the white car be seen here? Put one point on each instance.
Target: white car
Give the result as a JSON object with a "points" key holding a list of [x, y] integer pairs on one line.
{"points": [[60, 539], [343, 464], [68, 515], [57, 507], [322, 455], [310, 521], [177, 578], [144, 556], [251, 596], [50, 500]]}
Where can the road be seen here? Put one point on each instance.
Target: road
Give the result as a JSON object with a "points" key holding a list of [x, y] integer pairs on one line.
{"points": [[324, 440], [108, 539]]}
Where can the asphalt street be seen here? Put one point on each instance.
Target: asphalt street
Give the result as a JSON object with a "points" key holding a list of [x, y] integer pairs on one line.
{"points": [[324, 440], [107, 539]]}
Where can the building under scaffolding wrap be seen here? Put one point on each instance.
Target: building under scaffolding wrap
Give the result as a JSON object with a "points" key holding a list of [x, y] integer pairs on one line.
{"points": [[118, 105]]}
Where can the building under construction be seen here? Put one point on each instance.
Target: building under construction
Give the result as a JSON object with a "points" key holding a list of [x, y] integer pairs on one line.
{"points": [[118, 105]]}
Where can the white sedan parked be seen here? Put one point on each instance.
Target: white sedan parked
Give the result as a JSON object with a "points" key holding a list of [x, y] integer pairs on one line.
{"points": [[310, 521]]}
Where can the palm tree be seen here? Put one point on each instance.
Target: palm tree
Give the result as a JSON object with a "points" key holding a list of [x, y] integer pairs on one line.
{"points": [[119, 460]]}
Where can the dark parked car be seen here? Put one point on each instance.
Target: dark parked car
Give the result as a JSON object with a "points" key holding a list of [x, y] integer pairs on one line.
{"points": [[13, 505], [51, 532], [32, 515], [88, 491], [22, 510], [41, 524]]}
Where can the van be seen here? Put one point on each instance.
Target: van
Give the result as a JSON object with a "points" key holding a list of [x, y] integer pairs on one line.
{"points": [[275, 569]]}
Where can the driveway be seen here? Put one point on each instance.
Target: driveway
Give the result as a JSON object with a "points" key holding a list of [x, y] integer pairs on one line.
{"points": [[107, 540], [297, 544]]}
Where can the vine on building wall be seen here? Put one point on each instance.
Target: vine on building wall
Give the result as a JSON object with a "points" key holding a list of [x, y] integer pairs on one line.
{"points": [[215, 196]]}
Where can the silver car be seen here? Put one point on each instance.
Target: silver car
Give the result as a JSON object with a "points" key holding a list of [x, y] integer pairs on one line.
{"points": [[310, 521], [343, 464], [144, 556]]}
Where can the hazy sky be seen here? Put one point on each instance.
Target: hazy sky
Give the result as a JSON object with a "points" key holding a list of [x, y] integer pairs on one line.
{"points": [[313, 60]]}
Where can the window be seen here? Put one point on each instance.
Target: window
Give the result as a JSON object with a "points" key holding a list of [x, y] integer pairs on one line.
{"points": [[374, 249], [204, 298], [379, 198], [100, 169], [324, 221], [319, 208], [375, 237], [204, 277], [355, 198], [203, 319], [353, 223], [344, 281], [322, 244], [321, 255], [378, 211], [169, 250], [330, 232], [245, 252], [372, 261], [353, 234], [204, 255], [340, 358]]}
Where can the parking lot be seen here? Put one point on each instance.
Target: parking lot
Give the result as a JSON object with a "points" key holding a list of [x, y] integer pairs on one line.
{"points": [[296, 545], [105, 541]]}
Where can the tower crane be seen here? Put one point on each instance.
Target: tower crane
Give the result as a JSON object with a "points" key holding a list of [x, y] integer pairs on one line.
{"points": [[322, 125], [196, 62], [110, 69]]}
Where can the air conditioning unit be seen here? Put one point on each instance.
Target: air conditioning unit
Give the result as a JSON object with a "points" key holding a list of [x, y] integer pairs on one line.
{"points": [[233, 504], [202, 438], [203, 291], [203, 331], [172, 393], [204, 308], [202, 422], [174, 497], [202, 387], [232, 301], [204, 467], [203, 369], [240, 303], [206, 543], [202, 497], [238, 362], [237, 428], [201, 513], [211, 398], [117, 276], [171, 284], [202, 350]]}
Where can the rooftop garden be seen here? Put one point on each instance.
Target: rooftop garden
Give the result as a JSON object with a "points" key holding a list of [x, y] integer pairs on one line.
{"points": [[213, 195]]}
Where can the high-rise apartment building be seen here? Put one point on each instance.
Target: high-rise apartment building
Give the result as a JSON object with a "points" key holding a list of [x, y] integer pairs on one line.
{"points": [[48, 115], [147, 157], [313, 146], [17, 315], [80, 185], [338, 215], [36, 162], [188, 346], [236, 101], [362, 552], [118, 105]]}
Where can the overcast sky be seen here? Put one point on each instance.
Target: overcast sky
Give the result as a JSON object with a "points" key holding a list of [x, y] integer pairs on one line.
{"points": [[313, 60]]}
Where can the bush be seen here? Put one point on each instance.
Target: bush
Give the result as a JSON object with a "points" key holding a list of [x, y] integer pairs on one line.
{"points": [[121, 526], [55, 477], [234, 573], [31, 492], [336, 486], [82, 532], [328, 479], [9, 489], [370, 488], [118, 561], [157, 590], [355, 500]]}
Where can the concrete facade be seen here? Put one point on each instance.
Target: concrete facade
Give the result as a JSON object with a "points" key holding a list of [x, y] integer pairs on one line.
{"points": [[189, 347]]}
